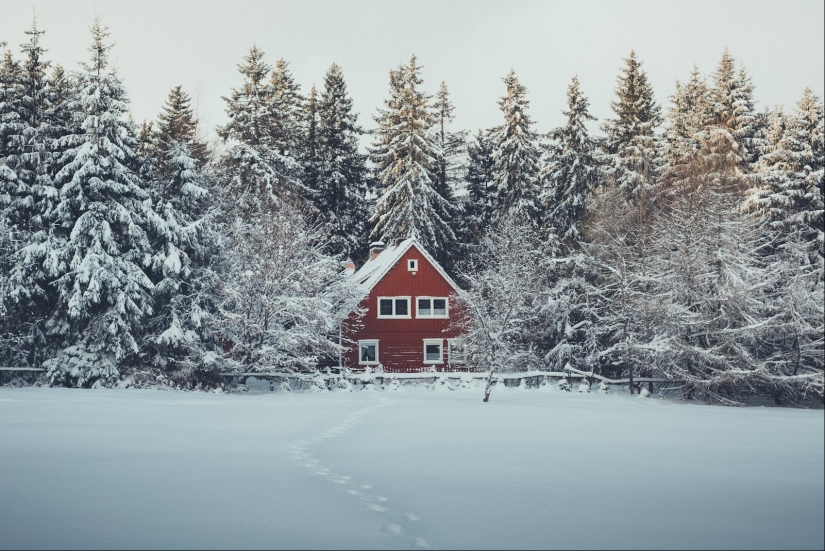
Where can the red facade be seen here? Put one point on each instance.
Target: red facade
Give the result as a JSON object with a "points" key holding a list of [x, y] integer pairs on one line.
{"points": [[401, 337]]}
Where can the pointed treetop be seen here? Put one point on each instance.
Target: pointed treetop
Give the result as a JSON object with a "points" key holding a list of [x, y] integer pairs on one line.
{"points": [[99, 50], [253, 66]]}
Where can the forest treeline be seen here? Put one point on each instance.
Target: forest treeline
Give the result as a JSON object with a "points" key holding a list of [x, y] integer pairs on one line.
{"points": [[683, 243]]}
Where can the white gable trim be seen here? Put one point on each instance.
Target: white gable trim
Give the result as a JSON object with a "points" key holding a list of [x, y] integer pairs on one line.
{"points": [[398, 253]]}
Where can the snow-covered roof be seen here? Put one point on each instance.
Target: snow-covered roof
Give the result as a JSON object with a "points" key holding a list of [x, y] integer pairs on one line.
{"points": [[376, 268]]}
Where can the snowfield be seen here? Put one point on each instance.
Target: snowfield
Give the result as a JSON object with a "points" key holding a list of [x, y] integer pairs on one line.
{"points": [[404, 469]]}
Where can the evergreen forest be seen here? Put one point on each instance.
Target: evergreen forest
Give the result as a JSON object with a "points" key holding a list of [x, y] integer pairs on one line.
{"points": [[681, 238]]}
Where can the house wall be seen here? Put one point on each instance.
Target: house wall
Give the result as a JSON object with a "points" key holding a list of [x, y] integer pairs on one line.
{"points": [[401, 341]]}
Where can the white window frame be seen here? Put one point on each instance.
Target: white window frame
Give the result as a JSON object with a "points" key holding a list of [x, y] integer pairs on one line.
{"points": [[440, 343], [444, 316], [394, 316], [412, 264], [368, 342], [450, 344]]}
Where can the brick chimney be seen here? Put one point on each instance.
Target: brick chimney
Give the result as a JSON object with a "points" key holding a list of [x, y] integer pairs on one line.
{"points": [[376, 248]]}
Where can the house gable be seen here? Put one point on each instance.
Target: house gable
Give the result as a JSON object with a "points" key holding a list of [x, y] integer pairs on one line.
{"points": [[374, 270]]}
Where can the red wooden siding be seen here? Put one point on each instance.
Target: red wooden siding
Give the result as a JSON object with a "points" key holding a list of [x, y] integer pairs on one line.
{"points": [[401, 341]]}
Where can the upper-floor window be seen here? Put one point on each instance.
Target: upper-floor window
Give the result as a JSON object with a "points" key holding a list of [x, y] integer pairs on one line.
{"points": [[394, 307], [432, 307], [412, 264]]}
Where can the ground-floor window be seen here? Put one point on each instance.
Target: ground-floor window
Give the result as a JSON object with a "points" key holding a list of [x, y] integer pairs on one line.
{"points": [[368, 352], [433, 351]]}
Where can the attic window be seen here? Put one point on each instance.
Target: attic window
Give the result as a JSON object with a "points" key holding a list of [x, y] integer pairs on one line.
{"points": [[412, 265]]}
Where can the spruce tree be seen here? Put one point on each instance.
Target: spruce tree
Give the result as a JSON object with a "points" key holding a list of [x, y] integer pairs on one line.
{"points": [[515, 157], [409, 205], [631, 141], [309, 150], [60, 114], [248, 106], [733, 110], [29, 205], [286, 111], [477, 205], [100, 244], [177, 122], [690, 113], [183, 243], [452, 145], [573, 171], [342, 169], [792, 174], [287, 121], [11, 93], [266, 135]]}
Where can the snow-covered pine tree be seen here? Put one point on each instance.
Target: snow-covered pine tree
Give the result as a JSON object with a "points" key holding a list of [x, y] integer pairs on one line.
{"points": [[571, 174], [8, 186], [248, 106], [689, 114], [572, 171], [406, 157], [183, 243], [516, 156], [450, 167], [452, 145], [309, 148], [791, 172], [11, 92], [342, 169], [29, 207], [60, 114], [733, 110], [96, 258], [287, 118], [632, 146], [477, 205], [256, 173], [177, 122]]}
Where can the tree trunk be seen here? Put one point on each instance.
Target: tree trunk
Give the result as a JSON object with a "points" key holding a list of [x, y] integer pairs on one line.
{"points": [[489, 386]]}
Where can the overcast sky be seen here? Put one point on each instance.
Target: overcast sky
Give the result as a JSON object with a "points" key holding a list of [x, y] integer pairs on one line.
{"points": [[468, 44]]}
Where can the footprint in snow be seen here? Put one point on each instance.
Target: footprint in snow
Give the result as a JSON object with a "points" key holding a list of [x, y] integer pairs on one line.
{"points": [[394, 522]]}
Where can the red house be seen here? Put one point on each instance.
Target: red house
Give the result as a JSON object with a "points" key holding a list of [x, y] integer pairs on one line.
{"points": [[409, 304]]}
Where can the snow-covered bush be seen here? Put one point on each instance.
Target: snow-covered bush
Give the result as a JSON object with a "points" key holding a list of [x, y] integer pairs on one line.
{"points": [[280, 298]]}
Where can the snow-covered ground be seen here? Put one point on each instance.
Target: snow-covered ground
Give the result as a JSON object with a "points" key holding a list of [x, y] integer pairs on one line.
{"points": [[406, 468]]}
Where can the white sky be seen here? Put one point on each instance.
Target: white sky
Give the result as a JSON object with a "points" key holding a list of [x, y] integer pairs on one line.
{"points": [[469, 44]]}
